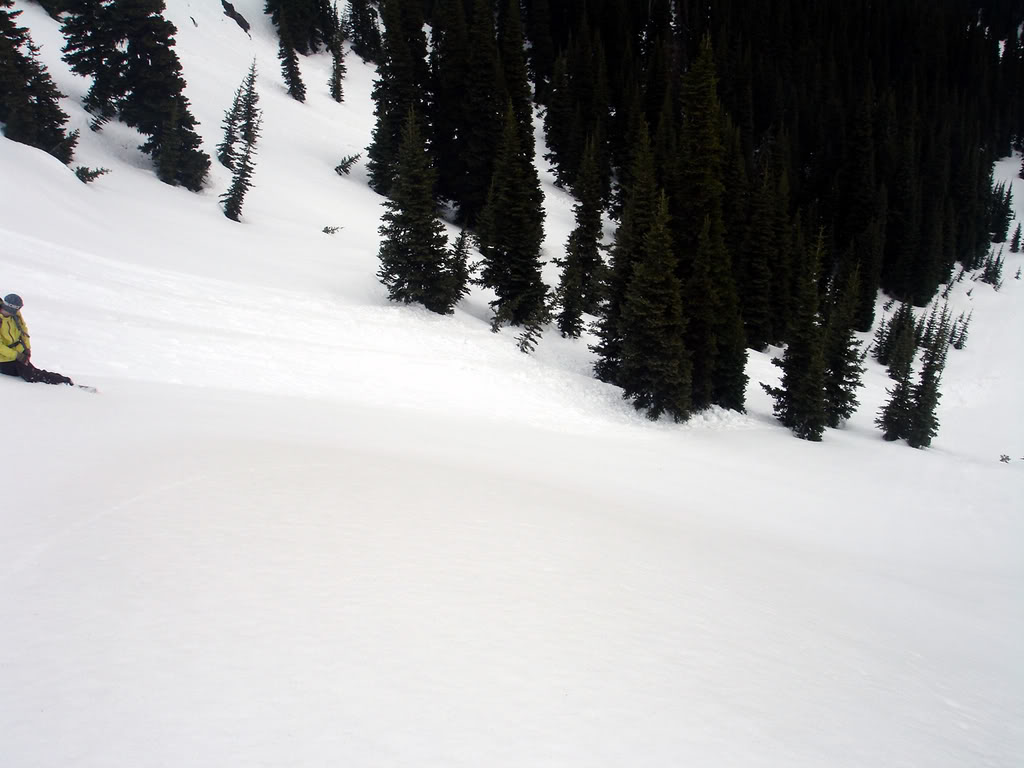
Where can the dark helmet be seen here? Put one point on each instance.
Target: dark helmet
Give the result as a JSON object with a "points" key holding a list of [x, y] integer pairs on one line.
{"points": [[13, 302]]}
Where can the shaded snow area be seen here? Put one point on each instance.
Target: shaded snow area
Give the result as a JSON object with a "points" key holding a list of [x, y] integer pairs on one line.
{"points": [[301, 526]]}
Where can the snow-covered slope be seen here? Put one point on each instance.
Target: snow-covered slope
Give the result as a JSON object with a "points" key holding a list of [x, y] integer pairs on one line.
{"points": [[302, 526]]}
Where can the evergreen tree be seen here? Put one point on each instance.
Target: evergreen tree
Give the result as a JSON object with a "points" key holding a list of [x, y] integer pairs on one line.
{"points": [[579, 289], [29, 100], [94, 48], [226, 152], [241, 180], [154, 98], [655, 369], [1002, 212], [335, 83], [303, 25], [888, 333], [756, 280], [634, 125], [542, 47], [800, 401], [364, 30], [241, 121], [895, 417], [1015, 241], [449, 120], [517, 82], [628, 250], [401, 85], [737, 197], [559, 114], [510, 233], [241, 126], [902, 347], [843, 371], [701, 180], [290, 70], [924, 424], [867, 255], [700, 297], [484, 108], [415, 263]]}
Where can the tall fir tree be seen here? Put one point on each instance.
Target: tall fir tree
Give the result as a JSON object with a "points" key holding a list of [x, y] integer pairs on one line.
{"points": [[336, 81], [29, 99], [94, 48], [449, 119], [800, 400], [889, 331], [924, 422], [655, 368], [843, 371], [510, 233], [579, 287], [515, 76], [542, 46], [364, 30], [701, 179], [902, 344], [484, 110], [756, 279], [290, 70], [559, 113], [415, 263], [241, 120], [153, 100], [700, 297], [227, 153], [241, 180], [401, 85], [895, 417], [304, 25], [628, 250]]}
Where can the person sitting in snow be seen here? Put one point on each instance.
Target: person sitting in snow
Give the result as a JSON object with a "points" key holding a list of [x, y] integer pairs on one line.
{"points": [[16, 348]]}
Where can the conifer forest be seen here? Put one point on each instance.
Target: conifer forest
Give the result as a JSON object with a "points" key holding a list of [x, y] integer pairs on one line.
{"points": [[767, 168]]}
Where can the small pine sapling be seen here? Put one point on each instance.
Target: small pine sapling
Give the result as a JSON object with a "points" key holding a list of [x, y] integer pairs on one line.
{"points": [[1015, 240], [345, 166], [89, 175]]}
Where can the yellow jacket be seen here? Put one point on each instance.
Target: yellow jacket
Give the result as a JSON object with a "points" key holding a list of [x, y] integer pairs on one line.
{"points": [[13, 337]]}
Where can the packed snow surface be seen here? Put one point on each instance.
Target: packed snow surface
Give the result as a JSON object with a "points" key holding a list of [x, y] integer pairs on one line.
{"points": [[301, 526]]}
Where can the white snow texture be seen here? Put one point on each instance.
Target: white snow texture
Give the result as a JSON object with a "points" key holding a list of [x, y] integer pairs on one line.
{"points": [[302, 526]]}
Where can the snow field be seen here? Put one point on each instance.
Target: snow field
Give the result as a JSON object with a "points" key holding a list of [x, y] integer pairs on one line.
{"points": [[301, 526]]}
